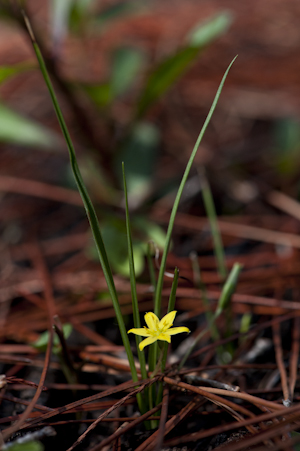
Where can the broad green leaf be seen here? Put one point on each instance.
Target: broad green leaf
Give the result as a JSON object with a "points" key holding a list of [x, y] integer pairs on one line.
{"points": [[27, 446], [172, 68], [139, 154], [17, 129], [126, 65], [7, 72]]}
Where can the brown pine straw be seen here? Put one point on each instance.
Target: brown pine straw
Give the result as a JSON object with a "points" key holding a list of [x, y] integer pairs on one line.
{"points": [[284, 203], [39, 189], [93, 336], [274, 431], [280, 363], [249, 232], [283, 445], [108, 411], [172, 423], [49, 300], [163, 419], [74, 405], [85, 408], [175, 420], [23, 402], [294, 356], [237, 335], [127, 428], [210, 393], [289, 414], [9, 431]]}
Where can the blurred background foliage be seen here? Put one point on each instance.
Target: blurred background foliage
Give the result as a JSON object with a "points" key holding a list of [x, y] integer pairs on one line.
{"points": [[141, 98]]}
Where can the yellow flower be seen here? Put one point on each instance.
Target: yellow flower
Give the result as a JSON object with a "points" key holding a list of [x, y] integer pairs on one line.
{"points": [[158, 330]]}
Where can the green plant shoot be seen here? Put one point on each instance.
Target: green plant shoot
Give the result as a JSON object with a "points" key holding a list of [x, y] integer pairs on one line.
{"points": [[156, 330]]}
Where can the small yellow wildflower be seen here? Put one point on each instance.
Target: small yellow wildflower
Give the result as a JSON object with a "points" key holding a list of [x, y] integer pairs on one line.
{"points": [[158, 330]]}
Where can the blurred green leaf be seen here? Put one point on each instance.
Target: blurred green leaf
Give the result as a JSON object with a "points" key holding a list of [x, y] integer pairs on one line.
{"points": [[164, 76], [42, 342], [81, 15], [287, 134], [17, 129], [139, 154], [173, 67], [27, 446], [286, 149], [116, 11], [83, 5], [60, 14], [296, 435], [100, 94], [115, 240], [228, 289], [7, 72], [151, 230], [206, 32], [97, 181], [126, 65]]}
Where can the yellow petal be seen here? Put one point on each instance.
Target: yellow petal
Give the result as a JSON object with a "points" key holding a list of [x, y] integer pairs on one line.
{"points": [[164, 337], [143, 332], [167, 321], [152, 321], [146, 342], [177, 330]]}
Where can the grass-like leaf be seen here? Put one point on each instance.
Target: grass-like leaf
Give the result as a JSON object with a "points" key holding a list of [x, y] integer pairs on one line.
{"points": [[227, 291], [135, 306], [157, 309], [171, 308], [212, 217], [90, 211]]}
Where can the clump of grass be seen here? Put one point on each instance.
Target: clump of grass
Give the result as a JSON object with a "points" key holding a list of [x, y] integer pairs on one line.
{"points": [[146, 400]]}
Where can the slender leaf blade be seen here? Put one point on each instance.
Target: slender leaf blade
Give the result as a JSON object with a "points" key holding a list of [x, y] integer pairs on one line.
{"points": [[90, 211], [159, 286], [135, 305]]}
